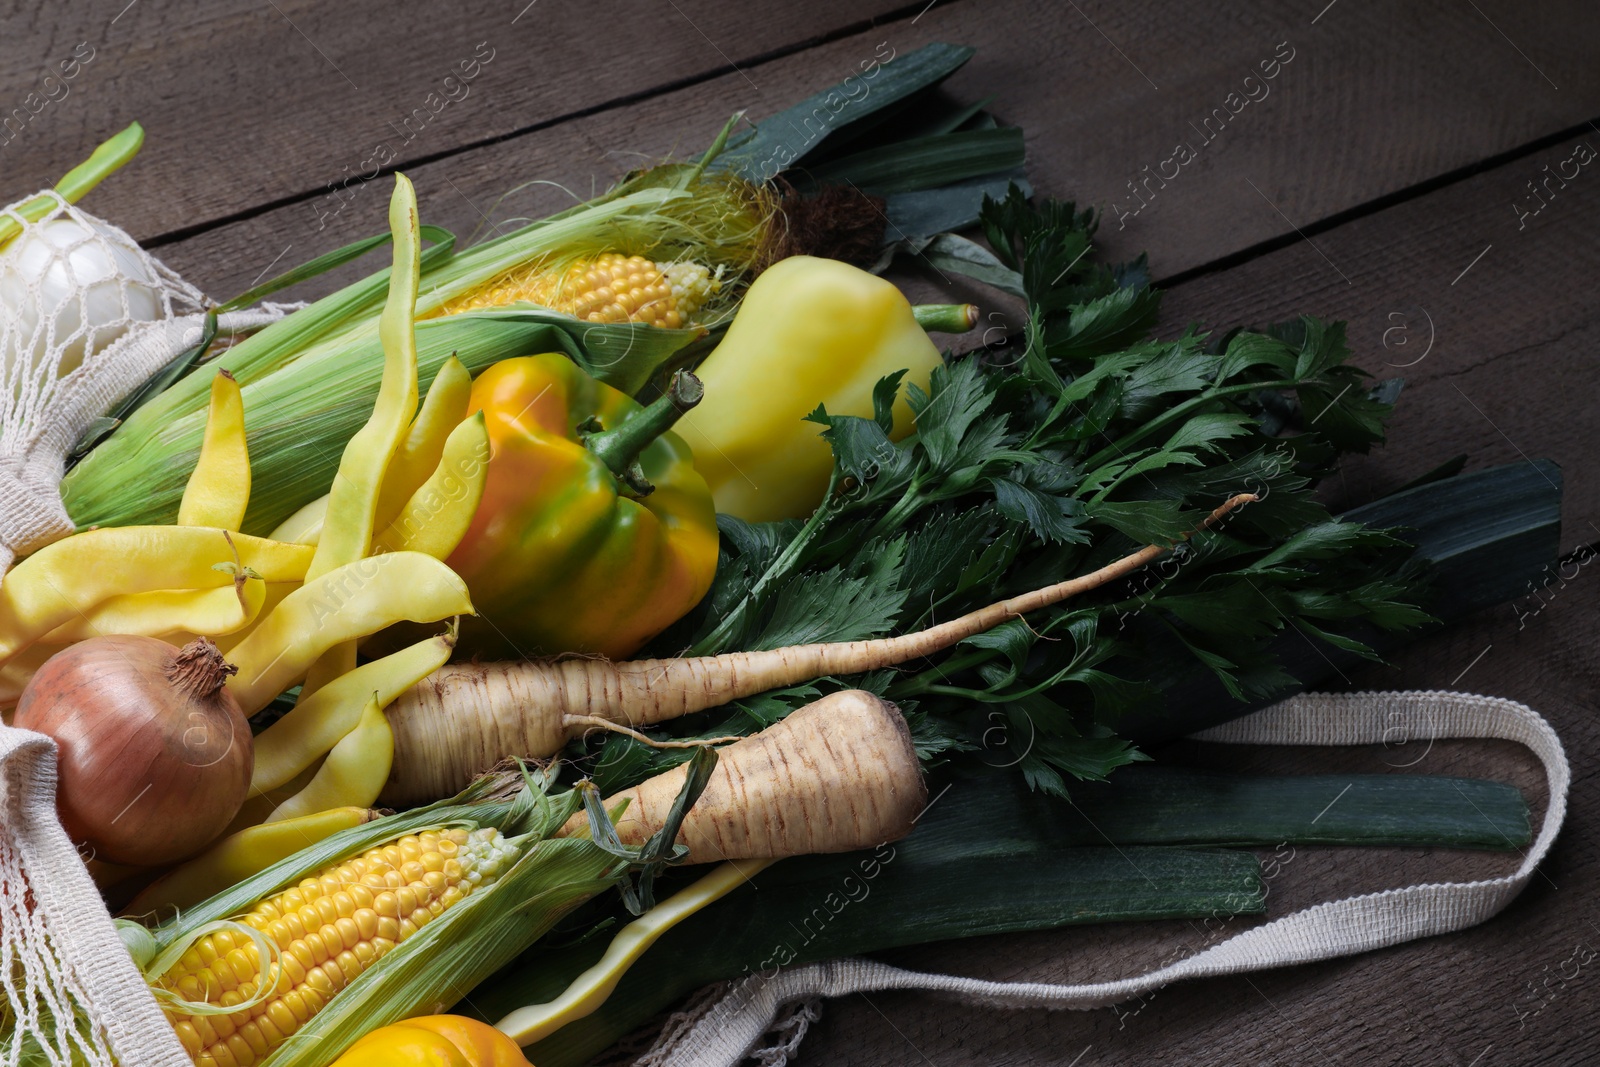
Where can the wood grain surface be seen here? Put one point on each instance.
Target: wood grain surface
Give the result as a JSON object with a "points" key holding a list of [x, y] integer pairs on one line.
{"points": [[248, 104], [1382, 176]]}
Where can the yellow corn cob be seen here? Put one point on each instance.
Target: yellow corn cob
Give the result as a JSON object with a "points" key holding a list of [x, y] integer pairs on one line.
{"points": [[328, 930], [607, 288]]}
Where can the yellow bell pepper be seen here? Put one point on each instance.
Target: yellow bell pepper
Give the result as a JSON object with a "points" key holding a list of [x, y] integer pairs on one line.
{"points": [[810, 331], [434, 1041]]}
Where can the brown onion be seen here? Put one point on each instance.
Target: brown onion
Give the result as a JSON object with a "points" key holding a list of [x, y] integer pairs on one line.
{"points": [[155, 754]]}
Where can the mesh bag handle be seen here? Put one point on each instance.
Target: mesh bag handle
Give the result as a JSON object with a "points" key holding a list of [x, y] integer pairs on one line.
{"points": [[729, 1029]]}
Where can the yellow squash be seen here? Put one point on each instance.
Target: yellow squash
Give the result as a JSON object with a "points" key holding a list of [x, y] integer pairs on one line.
{"points": [[434, 1041]]}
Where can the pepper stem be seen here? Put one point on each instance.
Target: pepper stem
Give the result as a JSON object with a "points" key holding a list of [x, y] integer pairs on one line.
{"points": [[618, 449], [946, 318]]}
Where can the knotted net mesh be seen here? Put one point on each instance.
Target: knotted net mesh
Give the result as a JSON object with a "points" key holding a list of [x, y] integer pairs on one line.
{"points": [[70, 995], [86, 316]]}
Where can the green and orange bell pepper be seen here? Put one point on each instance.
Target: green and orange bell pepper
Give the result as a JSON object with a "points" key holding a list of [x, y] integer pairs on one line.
{"points": [[595, 531]]}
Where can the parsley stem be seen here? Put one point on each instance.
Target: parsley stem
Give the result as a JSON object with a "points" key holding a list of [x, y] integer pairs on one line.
{"points": [[923, 680], [896, 517], [716, 641]]}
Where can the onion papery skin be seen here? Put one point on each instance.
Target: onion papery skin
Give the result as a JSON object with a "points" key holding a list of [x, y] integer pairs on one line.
{"points": [[155, 753]]}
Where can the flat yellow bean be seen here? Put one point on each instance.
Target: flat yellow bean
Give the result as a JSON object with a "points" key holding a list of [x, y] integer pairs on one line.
{"points": [[354, 773], [304, 527], [68, 579], [219, 489], [18, 670], [351, 517], [168, 613], [259, 807], [241, 855], [320, 720], [346, 604], [442, 411], [591, 988], [438, 514], [334, 663], [352, 502], [275, 594]]}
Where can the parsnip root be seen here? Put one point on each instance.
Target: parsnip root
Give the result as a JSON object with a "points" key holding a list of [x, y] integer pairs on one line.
{"points": [[837, 775], [465, 718]]}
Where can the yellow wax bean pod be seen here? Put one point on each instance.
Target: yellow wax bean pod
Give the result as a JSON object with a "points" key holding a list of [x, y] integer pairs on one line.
{"points": [[591, 988], [351, 518], [346, 604], [18, 670], [334, 663], [442, 411], [318, 721], [273, 595], [219, 489], [68, 579], [259, 807], [438, 514], [168, 613], [304, 527], [353, 499], [354, 773], [240, 855]]}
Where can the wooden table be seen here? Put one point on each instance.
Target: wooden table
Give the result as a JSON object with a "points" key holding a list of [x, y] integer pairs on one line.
{"points": [[1387, 178]]}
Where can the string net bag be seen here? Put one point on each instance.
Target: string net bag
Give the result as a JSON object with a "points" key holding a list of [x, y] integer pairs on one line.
{"points": [[71, 992], [86, 318]]}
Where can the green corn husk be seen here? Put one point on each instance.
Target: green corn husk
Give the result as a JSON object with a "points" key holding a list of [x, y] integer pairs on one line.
{"points": [[305, 378], [446, 958], [309, 379], [298, 420], [443, 960], [481, 804]]}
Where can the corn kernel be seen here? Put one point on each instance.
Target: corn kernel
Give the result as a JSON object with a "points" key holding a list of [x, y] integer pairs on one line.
{"points": [[270, 1031], [282, 1018], [327, 930], [332, 943], [317, 981], [253, 1037], [188, 1037]]}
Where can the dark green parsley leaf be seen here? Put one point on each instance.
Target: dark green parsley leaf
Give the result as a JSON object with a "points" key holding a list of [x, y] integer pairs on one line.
{"points": [[1028, 467]]}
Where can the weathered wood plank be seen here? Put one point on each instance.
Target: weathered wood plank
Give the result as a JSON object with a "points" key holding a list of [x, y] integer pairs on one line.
{"points": [[247, 104], [1510, 372], [1505, 304], [1358, 112], [1513, 991]]}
